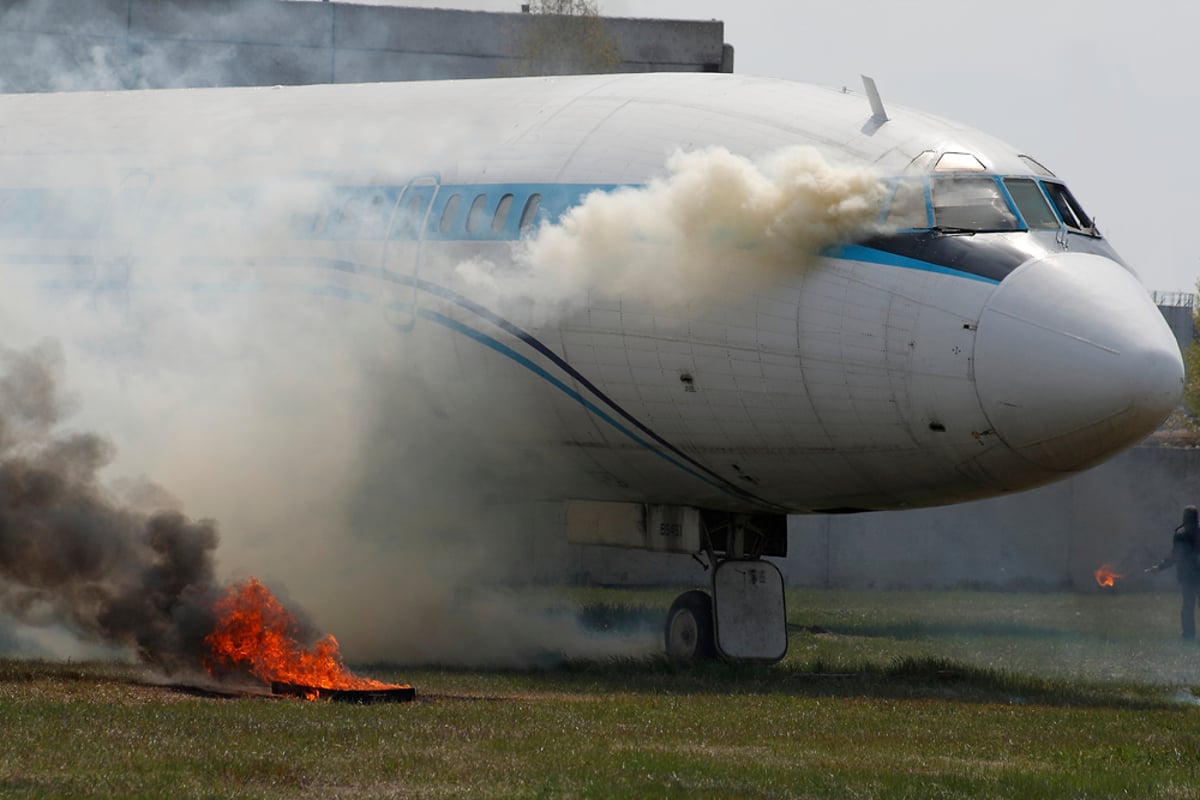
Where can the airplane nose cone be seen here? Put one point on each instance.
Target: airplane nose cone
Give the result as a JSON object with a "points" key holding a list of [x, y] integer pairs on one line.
{"points": [[1073, 362]]}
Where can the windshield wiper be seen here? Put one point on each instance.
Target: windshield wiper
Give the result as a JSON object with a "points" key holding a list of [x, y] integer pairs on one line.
{"points": [[950, 230]]}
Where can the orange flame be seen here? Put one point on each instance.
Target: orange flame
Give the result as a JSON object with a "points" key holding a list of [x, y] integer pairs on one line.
{"points": [[254, 633], [1105, 576]]}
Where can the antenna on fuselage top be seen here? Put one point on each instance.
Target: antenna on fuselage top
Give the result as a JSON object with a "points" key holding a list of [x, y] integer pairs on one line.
{"points": [[878, 114]]}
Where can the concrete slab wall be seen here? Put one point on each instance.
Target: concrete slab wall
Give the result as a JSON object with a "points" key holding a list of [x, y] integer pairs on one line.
{"points": [[1180, 320], [1121, 513], [63, 45]]}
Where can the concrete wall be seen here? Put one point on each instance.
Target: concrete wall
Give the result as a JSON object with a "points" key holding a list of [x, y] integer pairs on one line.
{"points": [[56, 45], [1179, 317], [1122, 513]]}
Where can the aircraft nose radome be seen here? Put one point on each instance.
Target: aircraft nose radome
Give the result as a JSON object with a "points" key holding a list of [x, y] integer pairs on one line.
{"points": [[1073, 362]]}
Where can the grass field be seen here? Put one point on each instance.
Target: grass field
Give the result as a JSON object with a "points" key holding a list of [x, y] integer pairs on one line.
{"points": [[889, 695]]}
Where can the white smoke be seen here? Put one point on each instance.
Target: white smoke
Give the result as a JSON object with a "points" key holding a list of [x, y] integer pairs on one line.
{"points": [[57, 46], [343, 462], [716, 223]]}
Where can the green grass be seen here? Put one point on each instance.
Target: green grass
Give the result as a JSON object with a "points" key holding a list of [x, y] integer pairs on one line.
{"points": [[887, 695]]}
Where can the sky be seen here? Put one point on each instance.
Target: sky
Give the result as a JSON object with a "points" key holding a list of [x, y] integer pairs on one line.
{"points": [[1103, 93]]}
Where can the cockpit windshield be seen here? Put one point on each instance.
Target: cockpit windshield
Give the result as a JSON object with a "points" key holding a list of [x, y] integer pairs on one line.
{"points": [[1032, 203], [1068, 207], [970, 202]]}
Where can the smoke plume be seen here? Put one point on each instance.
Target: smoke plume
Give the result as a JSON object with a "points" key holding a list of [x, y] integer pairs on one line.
{"points": [[715, 223], [343, 455], [71, 552]]}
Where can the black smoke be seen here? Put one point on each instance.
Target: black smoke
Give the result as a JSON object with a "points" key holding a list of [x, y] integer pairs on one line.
{"points": [[73, 553]]}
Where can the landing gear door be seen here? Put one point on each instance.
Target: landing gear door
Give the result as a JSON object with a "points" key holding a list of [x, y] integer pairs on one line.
{"points": [[749, 614], [402, 252]]}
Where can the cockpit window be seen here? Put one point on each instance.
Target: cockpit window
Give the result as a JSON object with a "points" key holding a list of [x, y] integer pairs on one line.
{"points": [[920, 162], [968, 203], [1031, 203], [958, 162], [1036, 166], [906, 209], [1068, 208]]}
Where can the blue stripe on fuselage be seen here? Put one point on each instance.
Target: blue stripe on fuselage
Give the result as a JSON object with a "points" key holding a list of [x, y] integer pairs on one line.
{"points": [[869, 255], [508, 352]]}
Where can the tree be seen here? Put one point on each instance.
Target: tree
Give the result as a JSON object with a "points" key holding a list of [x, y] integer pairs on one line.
{"points": [[565, 37], [1191, 371]]}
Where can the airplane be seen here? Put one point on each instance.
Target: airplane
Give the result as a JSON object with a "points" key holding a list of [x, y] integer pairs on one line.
{"points": [[979, 337]]}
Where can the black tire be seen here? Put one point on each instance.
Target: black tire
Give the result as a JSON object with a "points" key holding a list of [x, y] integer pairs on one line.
{"points": [[689, 632]]}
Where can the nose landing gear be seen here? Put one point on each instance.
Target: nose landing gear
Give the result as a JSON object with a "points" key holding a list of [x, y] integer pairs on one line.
{"points": [[745, 617]]}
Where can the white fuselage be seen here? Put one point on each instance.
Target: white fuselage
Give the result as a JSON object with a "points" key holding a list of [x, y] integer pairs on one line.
{"points": [[911, 368]]}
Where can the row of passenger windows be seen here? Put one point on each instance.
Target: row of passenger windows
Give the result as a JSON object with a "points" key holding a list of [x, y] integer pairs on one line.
{"points": [[350, 213], [979, 203], [421, 209], [477, 217]]}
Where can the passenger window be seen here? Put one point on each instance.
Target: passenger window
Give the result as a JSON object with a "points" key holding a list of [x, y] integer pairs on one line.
{"points": [[501, 215], [906, 209], [970, 204], [475, 215], [530, 213], [1068, 208], [450, 213], [1031, 203]]}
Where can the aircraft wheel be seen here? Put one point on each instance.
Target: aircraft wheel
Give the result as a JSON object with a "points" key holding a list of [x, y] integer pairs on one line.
{"points": [[690, 628]]}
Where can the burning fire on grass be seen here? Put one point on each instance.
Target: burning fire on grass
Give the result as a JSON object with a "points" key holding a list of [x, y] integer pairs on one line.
{"points": [[1106, 576], [254, 633]]}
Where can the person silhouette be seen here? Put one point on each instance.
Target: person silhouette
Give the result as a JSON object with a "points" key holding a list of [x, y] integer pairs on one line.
{"points": [[1187, 568]]}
